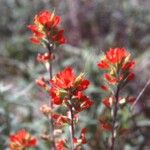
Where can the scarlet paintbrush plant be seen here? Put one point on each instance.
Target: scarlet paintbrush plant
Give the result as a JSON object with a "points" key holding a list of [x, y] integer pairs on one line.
{"points": [[21, 140], [118, 65], [67, 91], [46, 31]]}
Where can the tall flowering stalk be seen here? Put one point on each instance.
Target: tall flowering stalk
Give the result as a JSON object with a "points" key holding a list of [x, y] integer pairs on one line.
{"points": [[46, 32], [67, 91], [118, 65]]}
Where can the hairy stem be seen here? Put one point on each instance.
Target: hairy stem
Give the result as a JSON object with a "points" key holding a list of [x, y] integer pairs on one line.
{"points": [[72, 128], [115, 111], [50, 102]]}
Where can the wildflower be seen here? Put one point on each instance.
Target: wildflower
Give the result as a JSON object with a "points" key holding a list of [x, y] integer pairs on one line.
{"points": [[45, 28], [66, 84], [21, 140], [118, 64], [60, 144]]}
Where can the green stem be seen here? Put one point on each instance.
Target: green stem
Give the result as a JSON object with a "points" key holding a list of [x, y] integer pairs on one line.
{"points": [[51, 104], [115, 111]]}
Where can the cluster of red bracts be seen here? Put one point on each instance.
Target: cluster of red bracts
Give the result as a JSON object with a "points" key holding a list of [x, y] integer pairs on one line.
{"points": [[66, 88], [45, 29], [118, 65], [21, 140]]}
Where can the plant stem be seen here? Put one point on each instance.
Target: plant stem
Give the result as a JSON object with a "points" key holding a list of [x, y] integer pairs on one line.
{"points": [[72, 128], [50, 102], [115, 111]]}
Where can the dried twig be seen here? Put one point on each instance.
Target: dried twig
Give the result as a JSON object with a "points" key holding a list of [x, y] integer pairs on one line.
{"points": [[140, 94]]}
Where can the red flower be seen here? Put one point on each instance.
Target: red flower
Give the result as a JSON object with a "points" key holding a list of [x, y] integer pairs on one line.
{"points": [[66, 79], [60, 145], [83, 137], [41, 82], [105, 126], [116, 55], [66, 84], [43, 58], [118, 63], [131, 100], [103, 64], [21, 140], [128, 65], [68, 89], [108, 102], [60, 120], [82, 102], [104, 87], [131, 76], [110, 79], [46, 28]]}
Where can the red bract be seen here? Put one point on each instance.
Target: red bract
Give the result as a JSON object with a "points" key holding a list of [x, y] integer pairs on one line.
{"points": [[66, 79], [130, 100], [81, 102], [46, 28], [83, 137], [21, 140], [116, 55], [110, 79], [104, 87], [131, 76], [60, 120], [43, 58], [103, 64], [108, 101], [41, 82], [105, 126], [60, 145]]}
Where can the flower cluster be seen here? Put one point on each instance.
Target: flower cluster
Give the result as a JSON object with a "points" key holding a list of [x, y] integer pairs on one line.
{"points": [[67, 90], [118, 64], [66, 86], [45, 29], [21, 140]]}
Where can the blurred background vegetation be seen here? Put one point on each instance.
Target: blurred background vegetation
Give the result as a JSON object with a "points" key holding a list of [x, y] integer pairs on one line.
{"points": [[91, 26]]}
